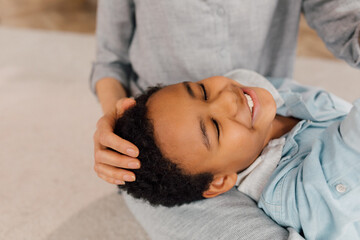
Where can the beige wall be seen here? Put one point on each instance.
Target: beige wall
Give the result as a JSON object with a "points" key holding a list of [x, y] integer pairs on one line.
{"points": [[63, 15], [18, 7]]}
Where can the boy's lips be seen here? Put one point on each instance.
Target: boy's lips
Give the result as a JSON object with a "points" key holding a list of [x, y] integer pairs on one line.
{"points": [[255, 100], [242, 102], [255, 108]]}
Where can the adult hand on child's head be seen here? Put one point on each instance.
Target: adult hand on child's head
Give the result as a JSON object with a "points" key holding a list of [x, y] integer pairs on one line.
{"points": [[110, 165]]}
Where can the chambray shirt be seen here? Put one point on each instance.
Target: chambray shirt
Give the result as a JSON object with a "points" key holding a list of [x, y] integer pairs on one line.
{"points": [[315, 188], [144, 42]]}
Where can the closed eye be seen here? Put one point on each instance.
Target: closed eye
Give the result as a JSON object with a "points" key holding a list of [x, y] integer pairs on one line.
{"points": [[217, 128], [212, 119], [204, 91]]}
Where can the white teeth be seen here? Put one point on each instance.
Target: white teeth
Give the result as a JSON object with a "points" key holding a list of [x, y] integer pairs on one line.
{"points": [[250, 102]]}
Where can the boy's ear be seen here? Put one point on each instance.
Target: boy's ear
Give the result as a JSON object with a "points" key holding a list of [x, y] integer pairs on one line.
{"points": [[220, 184]]}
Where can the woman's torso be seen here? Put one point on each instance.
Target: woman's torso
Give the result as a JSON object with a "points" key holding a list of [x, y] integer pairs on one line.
{"points": [[190, 40]]}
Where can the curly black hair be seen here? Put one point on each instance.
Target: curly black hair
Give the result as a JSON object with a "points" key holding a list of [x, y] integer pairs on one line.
{"points": [[159, 180]]}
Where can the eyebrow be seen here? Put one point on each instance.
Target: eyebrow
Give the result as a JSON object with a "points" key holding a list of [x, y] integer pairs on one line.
{"points": [[204, 134]]}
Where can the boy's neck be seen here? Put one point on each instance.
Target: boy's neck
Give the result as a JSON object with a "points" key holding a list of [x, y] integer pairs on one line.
{"points": [[282, 125]]}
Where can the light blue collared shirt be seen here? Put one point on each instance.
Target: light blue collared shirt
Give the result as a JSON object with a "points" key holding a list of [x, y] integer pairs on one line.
{"points": [[315, 188]]}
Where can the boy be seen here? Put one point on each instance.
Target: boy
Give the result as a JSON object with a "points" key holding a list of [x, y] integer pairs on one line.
{"points": [[198, 140]]}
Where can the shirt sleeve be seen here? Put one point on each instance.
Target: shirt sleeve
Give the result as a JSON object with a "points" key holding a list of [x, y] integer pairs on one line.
{"points": [[114, 32], [338, 24]]}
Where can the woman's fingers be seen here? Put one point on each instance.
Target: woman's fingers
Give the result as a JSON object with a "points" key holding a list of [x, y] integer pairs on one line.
{"points": [[107, 172], [106, 123], [123, 104], [109, 165], [115, 159], [105, 138], [123, 146], [111, 180]]}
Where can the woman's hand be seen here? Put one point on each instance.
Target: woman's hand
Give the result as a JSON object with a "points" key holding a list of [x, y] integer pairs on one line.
{"points": [[110, 165]]}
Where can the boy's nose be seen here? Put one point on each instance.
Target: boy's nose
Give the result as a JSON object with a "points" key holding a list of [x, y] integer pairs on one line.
{"points": [[225, 104]]}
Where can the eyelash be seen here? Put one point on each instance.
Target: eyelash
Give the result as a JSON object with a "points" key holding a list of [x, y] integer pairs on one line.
{"points": [[204, 92], [213, 120], [217, 127]]}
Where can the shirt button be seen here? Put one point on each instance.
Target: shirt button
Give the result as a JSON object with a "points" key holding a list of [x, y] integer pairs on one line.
{"points": [[221, 11], [340, 188]]}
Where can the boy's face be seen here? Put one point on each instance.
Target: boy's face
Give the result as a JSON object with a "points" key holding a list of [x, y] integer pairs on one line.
{"points": [[208, 126]]}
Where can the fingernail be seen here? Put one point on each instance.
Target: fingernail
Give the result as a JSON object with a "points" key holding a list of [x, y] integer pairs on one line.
{"points": [[133, 165], [131, 152], [119, 182], [129, 178]]}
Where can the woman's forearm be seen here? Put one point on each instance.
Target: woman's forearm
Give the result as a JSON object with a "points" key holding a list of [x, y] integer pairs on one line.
{"points": [[109, 91]]}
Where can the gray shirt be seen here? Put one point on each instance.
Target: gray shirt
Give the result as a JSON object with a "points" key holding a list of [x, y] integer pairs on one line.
{"points": [[144, 42]]}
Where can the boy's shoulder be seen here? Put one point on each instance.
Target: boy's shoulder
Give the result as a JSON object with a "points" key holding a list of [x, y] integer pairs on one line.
{"points": [[308, 102]]}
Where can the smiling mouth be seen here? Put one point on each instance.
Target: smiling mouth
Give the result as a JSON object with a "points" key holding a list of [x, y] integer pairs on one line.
{"points": [[250, 102], [246, 101]]}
